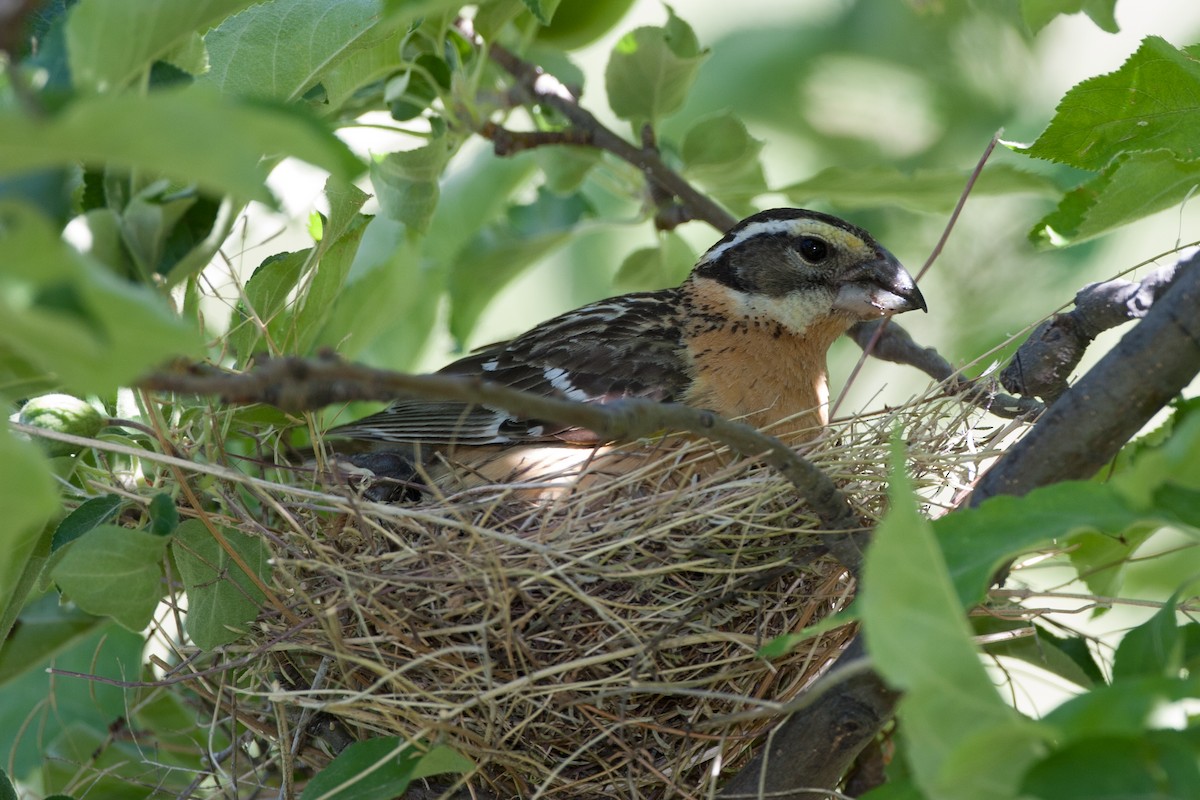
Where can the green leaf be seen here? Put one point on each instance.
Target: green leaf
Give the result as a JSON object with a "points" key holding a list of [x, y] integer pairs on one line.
{"points": [[1151, 103], [182, 134], [1174, 461], [1044, 650], [1126, 708], [976, 542], [71, 316], [324, 292], [566, 167], [934, 190], [39, 701], [413, 91], [282, 48], [1152, 649], [7, 790], [543, 10], [222, 599], [93, 512], [47, 627], [116, 762], [292, 319], [1156, 766], [362, 67], [381, 767], [267, 295], [1039, 13], [29, 495], [1132, 187], [918, 639], [107, 557], [406, 183], [652, 268], [785, 643], [387, 298], [111, 42], [651, 70], [164, 516], [580, 22], [720, 153]]}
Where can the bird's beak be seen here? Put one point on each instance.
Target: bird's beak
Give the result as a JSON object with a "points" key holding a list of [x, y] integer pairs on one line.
{"points": [[879, 288]]}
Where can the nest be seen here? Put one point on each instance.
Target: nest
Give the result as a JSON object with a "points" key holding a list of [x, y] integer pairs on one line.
{"points": [[606, 640]]}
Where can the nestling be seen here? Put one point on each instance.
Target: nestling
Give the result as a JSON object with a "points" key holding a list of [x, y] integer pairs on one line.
{"points": [[745, 335]]}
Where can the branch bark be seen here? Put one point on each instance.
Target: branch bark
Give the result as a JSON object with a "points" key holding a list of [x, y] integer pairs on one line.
{"points": [[1086, 427], [1044, 362]]}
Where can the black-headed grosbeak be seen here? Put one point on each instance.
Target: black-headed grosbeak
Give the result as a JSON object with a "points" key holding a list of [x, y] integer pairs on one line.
{"points": [[745, 335]]}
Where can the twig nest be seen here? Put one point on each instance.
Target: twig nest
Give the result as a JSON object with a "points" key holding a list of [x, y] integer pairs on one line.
{"points": [[598, 641]]}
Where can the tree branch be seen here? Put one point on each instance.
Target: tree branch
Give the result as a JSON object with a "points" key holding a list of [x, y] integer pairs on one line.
{"points": [[1086, 427], [1041, 366], [537, 87], [897, 346]]}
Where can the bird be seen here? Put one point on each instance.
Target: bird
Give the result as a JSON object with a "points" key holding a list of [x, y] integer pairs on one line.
{"points": [[745, 336]]}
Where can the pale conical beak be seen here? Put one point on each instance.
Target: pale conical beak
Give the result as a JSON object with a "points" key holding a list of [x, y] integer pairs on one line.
{"points": [[879, 288]]}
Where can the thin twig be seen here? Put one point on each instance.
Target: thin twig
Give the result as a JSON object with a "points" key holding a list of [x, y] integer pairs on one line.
{"points": [[295, 384], [535, 86]]}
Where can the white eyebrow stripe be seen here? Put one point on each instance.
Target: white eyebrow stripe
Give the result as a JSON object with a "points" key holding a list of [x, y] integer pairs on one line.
{"points": [[756, 229]]}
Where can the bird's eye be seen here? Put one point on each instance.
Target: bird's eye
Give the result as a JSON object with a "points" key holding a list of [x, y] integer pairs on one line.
{"points": [[812, 249]]}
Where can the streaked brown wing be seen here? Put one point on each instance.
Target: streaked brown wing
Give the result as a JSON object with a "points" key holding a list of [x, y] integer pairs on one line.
{"points": [[628, 346]]}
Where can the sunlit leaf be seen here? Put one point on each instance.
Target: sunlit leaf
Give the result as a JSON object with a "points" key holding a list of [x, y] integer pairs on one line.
{"points": [[406, 183], [380, 767], [1151, 103], [651, 70], [281, 48], [1134, 186], [1039, 13], [110, 42], [74, 317], [976, 542], [180, 134]]}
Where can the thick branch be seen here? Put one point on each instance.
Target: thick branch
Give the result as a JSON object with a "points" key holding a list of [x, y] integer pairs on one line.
{"points": [[294, 384], [1041, 366], [809, 753], [1086, 427]]}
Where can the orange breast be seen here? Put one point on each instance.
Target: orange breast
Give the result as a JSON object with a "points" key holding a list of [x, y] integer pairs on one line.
{"points": [[765, 375]]}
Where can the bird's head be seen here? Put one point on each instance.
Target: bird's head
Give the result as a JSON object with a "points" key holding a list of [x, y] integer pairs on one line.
{"points": [[798, 266]]}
